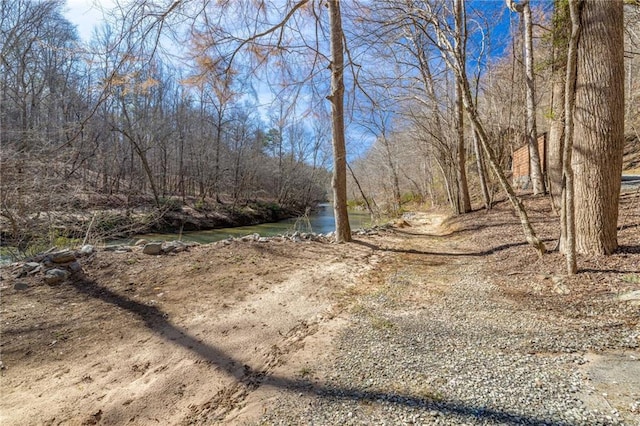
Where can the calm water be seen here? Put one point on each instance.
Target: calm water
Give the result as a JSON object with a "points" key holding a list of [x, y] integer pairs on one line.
{"points": [[321, 222]]}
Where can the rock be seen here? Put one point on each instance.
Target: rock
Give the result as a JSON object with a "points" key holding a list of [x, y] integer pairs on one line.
{"points": [[75, 267], [118, 247], [55, 276], [174, 246], [263, 240], [87, 250], [401, 223], [31, 267], [141, 242], [169, 248], [153, 249], [252, 237], [63, 256], [21, 286]]}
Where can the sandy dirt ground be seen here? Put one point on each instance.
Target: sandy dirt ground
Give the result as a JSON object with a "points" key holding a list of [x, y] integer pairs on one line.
{"points": [[216, 333]]}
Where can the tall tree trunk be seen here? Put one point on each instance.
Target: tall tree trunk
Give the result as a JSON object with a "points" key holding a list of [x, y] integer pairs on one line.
{"points": [[599, 126], [556, 137], [555, 140], [535, 167], [339, 180], [464, 201], [535, 163], [568, 237]]}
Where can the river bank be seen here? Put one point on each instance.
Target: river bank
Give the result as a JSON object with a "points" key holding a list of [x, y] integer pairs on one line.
{"points": [[437, 321], [112, 218]]}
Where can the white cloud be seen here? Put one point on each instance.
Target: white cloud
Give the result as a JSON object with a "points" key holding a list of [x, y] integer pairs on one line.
{"points": [[86, 15]]}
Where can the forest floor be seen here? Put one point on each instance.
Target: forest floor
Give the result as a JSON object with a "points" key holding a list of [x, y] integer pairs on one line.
{"points": [[247, 332]]}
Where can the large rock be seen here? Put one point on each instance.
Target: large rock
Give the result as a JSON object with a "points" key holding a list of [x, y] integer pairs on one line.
{"points": [[153, 249], [55, 276], [64, 256]]}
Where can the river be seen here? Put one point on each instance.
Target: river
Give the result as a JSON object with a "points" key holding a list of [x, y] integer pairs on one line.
{"points": [[320, 221]]}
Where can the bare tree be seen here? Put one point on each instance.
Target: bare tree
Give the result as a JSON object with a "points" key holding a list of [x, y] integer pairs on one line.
{"points": [[460, 45], [568, 237], [535, 169], [559, 35], [442, 37]]}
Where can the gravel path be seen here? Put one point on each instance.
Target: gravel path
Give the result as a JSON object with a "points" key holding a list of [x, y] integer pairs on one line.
{"points": [[436, 343]]}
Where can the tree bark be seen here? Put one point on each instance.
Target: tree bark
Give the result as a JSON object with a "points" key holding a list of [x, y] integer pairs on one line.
{"points": [[535, 164], [464, 201], [568, 237], [339, 180], [482, 171], [599, 126], [556, 126]]}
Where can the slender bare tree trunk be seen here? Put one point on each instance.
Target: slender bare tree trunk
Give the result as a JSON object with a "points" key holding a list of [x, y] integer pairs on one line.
{"points": [[535, 165], [453, 60], [555, 140], [339, 180], [482, 171], [362, 194], [556, 136], [599, 126], [568, 238], [464, 201]]}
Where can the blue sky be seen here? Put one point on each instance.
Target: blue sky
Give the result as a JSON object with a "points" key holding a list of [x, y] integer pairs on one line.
{"points": [[85, 15]]}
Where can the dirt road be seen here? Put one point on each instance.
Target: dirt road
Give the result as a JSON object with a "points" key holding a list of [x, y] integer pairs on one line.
{"points": [[219, 333]]}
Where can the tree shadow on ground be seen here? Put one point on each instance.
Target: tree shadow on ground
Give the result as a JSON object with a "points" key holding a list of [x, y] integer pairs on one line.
{"points": [[158, 322], [487, 252]]}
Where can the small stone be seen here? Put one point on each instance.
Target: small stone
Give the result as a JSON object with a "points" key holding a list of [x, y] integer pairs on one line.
{"points": [[31, 267], [55, 276], [141, 242], [87, 250], [20, 286], [153, 249], [75, 267]]}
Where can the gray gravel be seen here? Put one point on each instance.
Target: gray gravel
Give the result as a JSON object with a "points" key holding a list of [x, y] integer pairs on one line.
{"points": [[468, 358]]}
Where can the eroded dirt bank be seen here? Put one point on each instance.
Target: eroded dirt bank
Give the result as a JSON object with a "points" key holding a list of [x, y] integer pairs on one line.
{"points": [[246, 332]]}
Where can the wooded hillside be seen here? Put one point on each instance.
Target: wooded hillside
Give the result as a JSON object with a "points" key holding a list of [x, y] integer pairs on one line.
{"points": [[175, 103]]}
